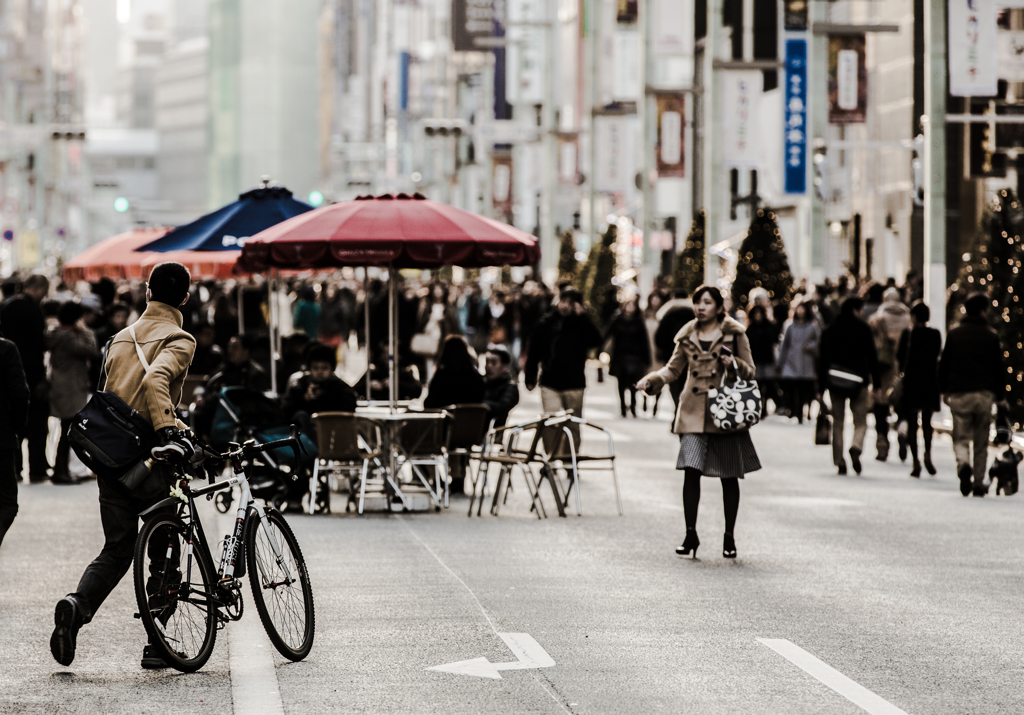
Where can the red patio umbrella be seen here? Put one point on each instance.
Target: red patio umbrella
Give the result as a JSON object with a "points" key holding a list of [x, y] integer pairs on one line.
{"points": [[394, 231], [398, 231], [114, 257]]}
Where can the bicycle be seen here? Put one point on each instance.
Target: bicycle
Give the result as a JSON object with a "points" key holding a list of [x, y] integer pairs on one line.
{"points": [[183, 602]]}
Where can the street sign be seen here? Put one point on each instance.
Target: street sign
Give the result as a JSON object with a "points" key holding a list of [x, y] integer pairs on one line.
{"points": [[529, 652], [796, 116]]}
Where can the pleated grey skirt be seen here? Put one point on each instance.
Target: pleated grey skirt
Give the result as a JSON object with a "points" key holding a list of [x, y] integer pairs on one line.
{"points": [[725, 455]]}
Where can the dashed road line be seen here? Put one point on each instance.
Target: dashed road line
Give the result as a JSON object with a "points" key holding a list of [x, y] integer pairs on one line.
{"points": [[826, 674]]}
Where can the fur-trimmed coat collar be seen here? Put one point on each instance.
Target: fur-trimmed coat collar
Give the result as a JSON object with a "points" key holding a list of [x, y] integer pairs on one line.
{"points": [[729, 327]]}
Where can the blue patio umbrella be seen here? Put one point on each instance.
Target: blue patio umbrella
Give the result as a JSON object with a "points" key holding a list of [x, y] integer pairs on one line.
{"points": [[227, 228]]}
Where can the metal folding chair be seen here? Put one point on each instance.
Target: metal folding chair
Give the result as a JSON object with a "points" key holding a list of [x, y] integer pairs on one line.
{"points": [[577, 461], [346, 443], [422, 443]]}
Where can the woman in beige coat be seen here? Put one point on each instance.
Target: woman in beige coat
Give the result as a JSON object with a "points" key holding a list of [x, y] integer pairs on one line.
{"points": [[703, 449]]}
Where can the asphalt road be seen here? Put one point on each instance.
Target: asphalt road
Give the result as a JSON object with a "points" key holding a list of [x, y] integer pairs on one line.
{"points": [[899, 587]]}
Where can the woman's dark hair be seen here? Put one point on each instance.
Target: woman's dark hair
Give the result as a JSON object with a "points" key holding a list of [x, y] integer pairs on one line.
{"points": [[570, 294], [808, 315], [716, 296], [169, 283], [70, 313], [755, 310], [455, 354], [851, 305], [921, 312]]}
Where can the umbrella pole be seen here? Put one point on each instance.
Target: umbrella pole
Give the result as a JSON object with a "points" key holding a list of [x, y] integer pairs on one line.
{"points": [[273, 332], [241, 319], [392, 339], [366, 326]]}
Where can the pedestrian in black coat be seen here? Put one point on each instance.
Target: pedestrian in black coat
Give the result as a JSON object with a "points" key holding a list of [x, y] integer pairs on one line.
{"points": [[13, 410], [918, 357], [457, 380], [848, 349], [24, 325], [630, 352]]}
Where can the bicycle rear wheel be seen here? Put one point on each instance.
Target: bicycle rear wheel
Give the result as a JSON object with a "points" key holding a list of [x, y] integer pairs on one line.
{"points": [[280, 588], [175, 594]]}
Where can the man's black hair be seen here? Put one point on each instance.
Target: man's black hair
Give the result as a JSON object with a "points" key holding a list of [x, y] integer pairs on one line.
{"points": [[502, 354], [921, 311], [169, 283], [976, 304], [318, 352], [851, 305], [571, 294], [70, 313]]}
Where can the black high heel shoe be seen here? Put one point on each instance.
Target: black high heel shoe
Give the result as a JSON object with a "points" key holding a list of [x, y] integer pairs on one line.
{"points": [[729, 547], [689, 545]]}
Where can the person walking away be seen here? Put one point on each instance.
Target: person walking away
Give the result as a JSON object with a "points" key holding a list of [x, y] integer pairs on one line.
{"points": [[630, 351], [306, 315], [847, 365], [763, 334], [72, 348], [971, 378], [154, 393], [797, 352], [707, 349], [24, 325], [918, 356], [455, 382], [13, 411], [671, 318], [559, 348], [501, 393], [887, 326]]}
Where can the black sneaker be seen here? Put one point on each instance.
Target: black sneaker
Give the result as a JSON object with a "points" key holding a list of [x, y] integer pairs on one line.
{"points": [[855, 459], [841, 467], [67, 618], [965, 473], [151, 658], [980, 490]]}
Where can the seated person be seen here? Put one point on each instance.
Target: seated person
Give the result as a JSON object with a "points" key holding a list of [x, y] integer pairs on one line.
{"points": [[209, 357], [409, 387], [239, 370], [319, 389], [501, 393], [456, 381]]}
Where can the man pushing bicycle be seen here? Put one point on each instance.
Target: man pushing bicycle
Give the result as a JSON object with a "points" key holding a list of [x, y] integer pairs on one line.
{"points": [[145, 366]]}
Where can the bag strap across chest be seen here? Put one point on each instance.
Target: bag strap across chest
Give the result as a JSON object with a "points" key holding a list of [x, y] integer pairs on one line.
{"points": [[138, 350]]}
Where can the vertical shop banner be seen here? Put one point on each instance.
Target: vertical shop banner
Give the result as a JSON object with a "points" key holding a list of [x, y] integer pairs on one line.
{"points": [[1011, 55], [972, 48], [568, 160], [741, 106], [672, 28], [501, 185], [628, 66], [847, 79], [795, 15], [616, 156], [796, 117], [671, 136], [526, 53], [471, 19]]}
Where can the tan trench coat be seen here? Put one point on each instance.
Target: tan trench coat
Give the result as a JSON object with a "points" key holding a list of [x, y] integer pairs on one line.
{"points": [[704, 371], [169, 350]]}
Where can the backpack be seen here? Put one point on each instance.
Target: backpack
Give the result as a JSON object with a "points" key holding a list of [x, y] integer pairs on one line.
{"points": [[109, 436]]}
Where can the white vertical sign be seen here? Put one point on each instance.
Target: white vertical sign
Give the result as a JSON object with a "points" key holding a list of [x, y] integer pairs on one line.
{"points": [[741, 100], [525, 57], [627, 66], [1011, 55], [616, 161], [846, 77], [972, 48], [672, 28], [671, 137]]}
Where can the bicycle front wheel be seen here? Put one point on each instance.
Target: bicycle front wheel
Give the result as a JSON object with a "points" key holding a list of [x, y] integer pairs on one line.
{"points": [[175, 587], [280, 586]]}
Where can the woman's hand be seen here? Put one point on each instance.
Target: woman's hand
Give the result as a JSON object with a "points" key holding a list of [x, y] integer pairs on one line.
{"points": [[644, 385]]}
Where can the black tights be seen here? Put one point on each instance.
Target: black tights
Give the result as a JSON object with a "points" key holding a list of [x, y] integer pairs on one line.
{"points": [[926, 430], [691, 499], [627, 386]]}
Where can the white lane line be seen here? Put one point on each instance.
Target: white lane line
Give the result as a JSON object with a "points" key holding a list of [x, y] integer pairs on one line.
{"points": [[852, 691], [254, 687]]}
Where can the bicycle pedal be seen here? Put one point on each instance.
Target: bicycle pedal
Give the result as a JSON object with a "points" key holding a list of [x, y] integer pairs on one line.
{"points": [[137, 615]]}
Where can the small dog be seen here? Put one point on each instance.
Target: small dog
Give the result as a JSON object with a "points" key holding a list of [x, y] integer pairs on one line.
{"points": [[1003, 472]]}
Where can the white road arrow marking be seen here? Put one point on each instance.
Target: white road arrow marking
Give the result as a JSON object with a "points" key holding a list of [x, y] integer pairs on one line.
{"points": [[529, 652]]}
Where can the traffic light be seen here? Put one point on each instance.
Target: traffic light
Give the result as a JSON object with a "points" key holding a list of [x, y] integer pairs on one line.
{"points": [[315, 198], [444, 127], [120, 204]]}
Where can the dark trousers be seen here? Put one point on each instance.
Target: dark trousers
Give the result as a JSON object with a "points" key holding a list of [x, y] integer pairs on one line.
{"points": [[119, 513], [60, 462], [36, 432], [881, 413], [625, 386], [8, 491], [925, 416]]}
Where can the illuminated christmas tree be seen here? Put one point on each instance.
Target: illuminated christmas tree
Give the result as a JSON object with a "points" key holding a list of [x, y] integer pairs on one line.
{"points": [[689, 268], [762, 262]]}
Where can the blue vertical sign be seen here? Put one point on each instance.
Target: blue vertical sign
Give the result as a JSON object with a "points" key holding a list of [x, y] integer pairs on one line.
{"points": [[796, 116]]}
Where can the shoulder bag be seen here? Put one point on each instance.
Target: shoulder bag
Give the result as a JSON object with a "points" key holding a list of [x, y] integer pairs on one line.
{"points": [[736, 406], [111, 438]]}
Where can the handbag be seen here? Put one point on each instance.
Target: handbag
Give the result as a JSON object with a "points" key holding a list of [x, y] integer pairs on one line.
{"points": [[844, 381], [425, 344], [734, 407], [111, 438], [823, 426]]}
